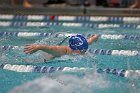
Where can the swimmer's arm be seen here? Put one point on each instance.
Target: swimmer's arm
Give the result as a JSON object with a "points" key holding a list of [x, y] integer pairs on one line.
{"points": [[54, 50], [92, 39]]}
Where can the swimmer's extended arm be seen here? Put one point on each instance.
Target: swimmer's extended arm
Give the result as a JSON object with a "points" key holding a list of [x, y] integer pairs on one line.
{"points": [[92, 39], [54, 50]]}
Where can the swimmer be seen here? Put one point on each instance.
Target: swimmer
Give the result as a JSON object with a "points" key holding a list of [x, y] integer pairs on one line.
{"points": [[77, 44]]}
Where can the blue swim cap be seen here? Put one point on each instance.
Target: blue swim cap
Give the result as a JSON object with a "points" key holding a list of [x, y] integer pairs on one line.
{"points": [[78, 42]]}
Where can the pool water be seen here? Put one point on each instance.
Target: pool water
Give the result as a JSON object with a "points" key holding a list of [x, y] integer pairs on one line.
{"points": [[69, 82]]}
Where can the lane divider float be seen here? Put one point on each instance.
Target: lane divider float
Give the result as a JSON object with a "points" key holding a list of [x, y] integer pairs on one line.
{"points": [[37, 34], [70, 18], [67, 24], [45, 69]]}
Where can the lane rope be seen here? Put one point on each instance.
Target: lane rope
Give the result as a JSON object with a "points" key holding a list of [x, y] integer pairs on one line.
{"points": [[66, 24], [45, 69], [70, 18], [37, 34]]}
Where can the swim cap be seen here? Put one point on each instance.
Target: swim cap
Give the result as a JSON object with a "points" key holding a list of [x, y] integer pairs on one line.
{"points": [[78, 42]]}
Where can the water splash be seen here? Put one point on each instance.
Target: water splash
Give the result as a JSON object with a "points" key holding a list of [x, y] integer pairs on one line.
{"points": [[54, 39], [63, 84], [2, 40]]}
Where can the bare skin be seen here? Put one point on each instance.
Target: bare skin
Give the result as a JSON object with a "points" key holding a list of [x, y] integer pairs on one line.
{"points": [[25, 3], [136, 4], [55, 51]]}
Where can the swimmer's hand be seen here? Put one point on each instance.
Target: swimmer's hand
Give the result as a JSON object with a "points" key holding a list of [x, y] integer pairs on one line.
{"points": [[96, 37], [92, 39], [31, 48]]}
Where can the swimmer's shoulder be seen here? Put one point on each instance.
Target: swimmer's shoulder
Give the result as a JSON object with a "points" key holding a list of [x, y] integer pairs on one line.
{"points": [[70, 51]]}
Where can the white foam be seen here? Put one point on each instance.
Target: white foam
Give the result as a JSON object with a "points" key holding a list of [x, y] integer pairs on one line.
{"points": [[63, 84]]}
